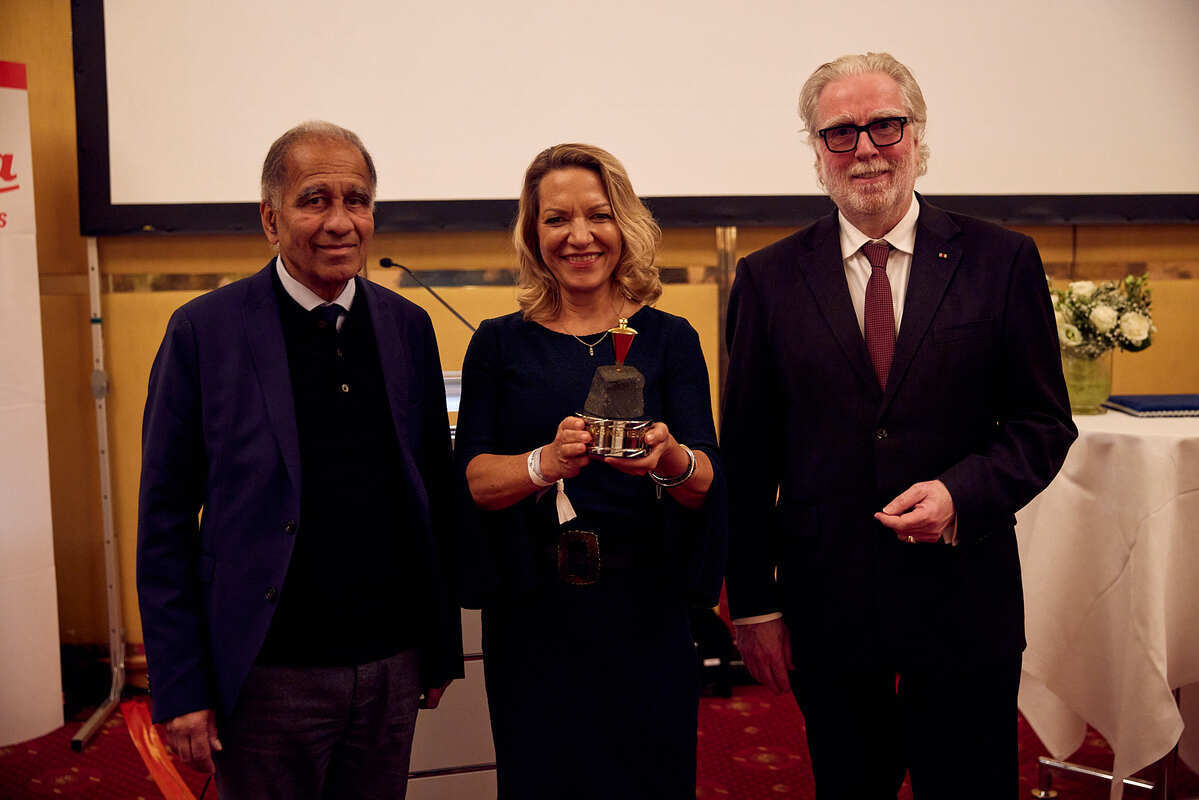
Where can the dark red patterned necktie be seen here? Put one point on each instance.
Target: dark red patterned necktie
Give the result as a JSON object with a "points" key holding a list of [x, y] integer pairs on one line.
{"points": [[880, 313]]}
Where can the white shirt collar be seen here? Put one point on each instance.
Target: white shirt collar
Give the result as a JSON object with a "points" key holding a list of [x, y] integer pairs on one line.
{"points": [[307, 298], [902, 237]]}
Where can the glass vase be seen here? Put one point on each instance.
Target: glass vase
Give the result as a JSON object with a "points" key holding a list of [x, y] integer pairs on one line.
{"points": [[1088, 380]]}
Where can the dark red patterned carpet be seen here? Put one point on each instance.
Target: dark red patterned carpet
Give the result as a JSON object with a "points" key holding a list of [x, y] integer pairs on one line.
{"points": [[751, 747], [109, 768]]}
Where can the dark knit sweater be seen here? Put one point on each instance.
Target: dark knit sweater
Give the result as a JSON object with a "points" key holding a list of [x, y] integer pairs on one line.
{"points": [[351, 593]]}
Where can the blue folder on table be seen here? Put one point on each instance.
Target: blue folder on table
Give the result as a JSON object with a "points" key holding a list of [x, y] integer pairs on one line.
{"points": [[1155, 405]]}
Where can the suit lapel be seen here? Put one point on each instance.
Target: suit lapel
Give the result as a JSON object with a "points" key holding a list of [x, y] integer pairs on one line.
{"points": [[394, 360], [824, 271], [933, 263], [264, 331]]}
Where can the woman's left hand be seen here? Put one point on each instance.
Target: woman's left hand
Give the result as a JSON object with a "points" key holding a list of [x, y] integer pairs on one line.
{"points": [[663, 454]]}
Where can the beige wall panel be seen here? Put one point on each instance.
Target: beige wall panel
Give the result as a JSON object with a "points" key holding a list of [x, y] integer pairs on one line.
{"points": [[751, 239], [183, 254], [1055, 244], [74, 470], [686, 247], [1138, 243], [1170, 365], [475, 303], [134, 323], [698, 303], [471, 250]]}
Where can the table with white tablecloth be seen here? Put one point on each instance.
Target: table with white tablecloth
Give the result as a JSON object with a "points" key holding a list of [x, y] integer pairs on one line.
{"points": [[1110, 554]]}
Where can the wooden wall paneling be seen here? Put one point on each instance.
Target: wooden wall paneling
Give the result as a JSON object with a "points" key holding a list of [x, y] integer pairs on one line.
{"points": [[134, 325], [1169, 365], [1147, 243], [74, 470]]}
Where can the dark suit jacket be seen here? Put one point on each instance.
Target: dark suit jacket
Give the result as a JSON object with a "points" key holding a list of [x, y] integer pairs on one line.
{"points": [[219, 433], [975, 398]]}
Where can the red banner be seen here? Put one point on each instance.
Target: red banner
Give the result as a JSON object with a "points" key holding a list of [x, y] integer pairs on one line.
{"points": [[12, 75]]}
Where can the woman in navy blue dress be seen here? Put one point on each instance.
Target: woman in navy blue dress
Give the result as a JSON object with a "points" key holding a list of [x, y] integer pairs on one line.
{"points": [[591, 671]]}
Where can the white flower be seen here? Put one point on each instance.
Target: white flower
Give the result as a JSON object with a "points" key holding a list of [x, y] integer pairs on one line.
{"points": [[1069, 335], [1055, 298], [1058, 317], [1103, 317], [1134, 326], [1083, 289]]}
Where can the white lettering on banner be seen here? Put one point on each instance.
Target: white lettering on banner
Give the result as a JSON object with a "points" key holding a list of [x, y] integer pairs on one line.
{"points": [[31, 691]]}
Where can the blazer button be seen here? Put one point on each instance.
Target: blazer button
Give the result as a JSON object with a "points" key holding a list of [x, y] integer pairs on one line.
{"points": [[880, 434], [271, 594], [289, 527]]}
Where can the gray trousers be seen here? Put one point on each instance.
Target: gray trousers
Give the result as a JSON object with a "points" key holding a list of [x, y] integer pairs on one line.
{"points": [[323, 733]]}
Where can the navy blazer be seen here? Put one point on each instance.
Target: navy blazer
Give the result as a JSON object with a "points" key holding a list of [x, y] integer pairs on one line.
{"points": [[220, 486], [975, 397]]}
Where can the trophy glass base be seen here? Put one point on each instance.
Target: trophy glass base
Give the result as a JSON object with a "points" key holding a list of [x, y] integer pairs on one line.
{"points": [[616, 438]]}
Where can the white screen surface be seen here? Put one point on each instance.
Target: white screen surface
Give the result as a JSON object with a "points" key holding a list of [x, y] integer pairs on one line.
{"points": [[697, 98]]}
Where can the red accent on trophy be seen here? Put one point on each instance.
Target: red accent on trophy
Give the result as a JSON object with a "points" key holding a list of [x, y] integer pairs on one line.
{"points": [[622, 340]]}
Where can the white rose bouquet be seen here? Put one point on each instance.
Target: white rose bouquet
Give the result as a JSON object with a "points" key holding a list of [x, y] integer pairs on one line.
{"points": [[1093, 318]]}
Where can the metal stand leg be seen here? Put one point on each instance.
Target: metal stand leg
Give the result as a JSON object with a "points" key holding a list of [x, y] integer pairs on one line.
{"points": [[116, 623], [1044, 782], [1046, 765], [1166, 787]]}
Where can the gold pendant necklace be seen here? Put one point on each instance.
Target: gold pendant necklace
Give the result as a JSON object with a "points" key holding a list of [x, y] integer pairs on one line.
{"points": [[591, 345]]}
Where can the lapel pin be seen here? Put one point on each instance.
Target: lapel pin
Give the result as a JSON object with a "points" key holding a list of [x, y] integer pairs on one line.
{"points": [[942, 255]]}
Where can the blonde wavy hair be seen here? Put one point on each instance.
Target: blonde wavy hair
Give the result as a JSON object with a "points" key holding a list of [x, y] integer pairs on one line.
{"points": [[864, 64], [538, 293]]}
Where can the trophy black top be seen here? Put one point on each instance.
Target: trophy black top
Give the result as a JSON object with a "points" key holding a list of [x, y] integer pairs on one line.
{"points": [[617, 392]]}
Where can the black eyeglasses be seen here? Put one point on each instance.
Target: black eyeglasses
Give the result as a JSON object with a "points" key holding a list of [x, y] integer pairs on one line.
{"points": [[883, 132]]}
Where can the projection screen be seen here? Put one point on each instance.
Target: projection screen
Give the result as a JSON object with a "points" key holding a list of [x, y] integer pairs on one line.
{"points": [[1071, 111]]}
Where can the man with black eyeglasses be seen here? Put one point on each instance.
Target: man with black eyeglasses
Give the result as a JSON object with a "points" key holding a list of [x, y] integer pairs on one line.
{"points": [[902, 364]]}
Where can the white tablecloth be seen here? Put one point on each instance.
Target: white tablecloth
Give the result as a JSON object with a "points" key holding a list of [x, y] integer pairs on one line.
{"points": [[1110, 553]]}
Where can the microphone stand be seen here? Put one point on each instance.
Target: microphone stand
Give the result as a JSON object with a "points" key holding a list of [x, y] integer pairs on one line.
{"points": [[387, 262]]}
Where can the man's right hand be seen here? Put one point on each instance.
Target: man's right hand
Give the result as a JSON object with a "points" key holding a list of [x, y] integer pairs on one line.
{"points": [[766, 650], [193, 737]]}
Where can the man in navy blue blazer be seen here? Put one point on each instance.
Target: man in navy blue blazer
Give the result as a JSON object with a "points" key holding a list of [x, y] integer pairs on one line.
{"points": [[894, 395], [293, 516]]}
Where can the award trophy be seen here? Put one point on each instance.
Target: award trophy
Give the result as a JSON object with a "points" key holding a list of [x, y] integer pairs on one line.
{"points": [[615, 407]]}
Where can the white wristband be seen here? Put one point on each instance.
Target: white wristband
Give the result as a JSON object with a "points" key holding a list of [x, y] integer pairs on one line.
{"points": [[534, 465]]}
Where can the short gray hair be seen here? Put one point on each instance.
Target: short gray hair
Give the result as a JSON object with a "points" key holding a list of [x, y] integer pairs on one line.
{"points": [[864, 64], [274, 167]]}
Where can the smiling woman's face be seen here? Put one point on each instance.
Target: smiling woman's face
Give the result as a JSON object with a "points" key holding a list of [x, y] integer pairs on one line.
{"points": [[577, 234]]}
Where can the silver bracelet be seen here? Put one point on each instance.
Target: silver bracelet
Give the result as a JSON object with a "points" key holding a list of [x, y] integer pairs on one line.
{"points": [[534, 464], [677, 480]]}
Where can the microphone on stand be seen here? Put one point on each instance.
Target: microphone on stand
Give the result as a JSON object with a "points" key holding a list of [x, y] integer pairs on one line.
{"points": [[387, 262]]}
